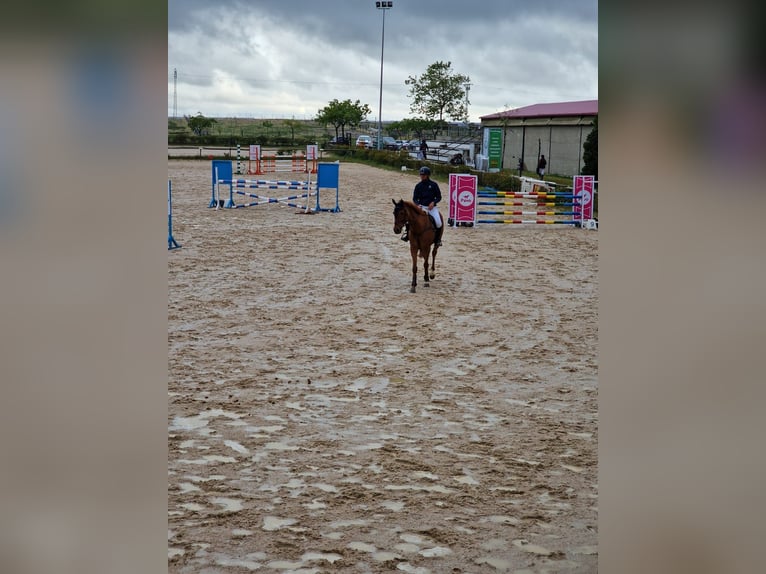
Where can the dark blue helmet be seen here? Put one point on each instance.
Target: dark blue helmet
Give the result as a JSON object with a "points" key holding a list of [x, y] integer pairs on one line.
{"points": [[425, 170]]}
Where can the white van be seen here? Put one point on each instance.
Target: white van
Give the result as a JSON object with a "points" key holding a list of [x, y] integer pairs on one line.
{"points": [[364, 141]]}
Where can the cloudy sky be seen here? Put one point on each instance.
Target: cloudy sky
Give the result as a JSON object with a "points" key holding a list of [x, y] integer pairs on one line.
{"points": [[289, 58]]}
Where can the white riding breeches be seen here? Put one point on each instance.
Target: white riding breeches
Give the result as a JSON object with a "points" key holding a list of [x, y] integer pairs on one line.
{"points": [[434, 213]]}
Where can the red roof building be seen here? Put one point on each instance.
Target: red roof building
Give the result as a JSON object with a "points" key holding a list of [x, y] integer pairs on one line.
{"points": [[556, 130]]}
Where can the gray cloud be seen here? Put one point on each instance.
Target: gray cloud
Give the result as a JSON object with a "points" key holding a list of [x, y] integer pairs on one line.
{"points": [[268, 54]]}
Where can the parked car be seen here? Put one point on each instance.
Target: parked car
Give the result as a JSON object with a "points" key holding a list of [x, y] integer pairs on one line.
{"points": [[412, 145], [386, 142], [364, 141], [340, 140]]}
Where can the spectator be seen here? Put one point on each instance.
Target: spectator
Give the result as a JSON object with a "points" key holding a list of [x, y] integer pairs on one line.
{"points": [[423, 149], [541, 167]]}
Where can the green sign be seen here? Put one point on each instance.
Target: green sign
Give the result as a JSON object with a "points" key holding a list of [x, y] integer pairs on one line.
{"points": [[495, 148]]}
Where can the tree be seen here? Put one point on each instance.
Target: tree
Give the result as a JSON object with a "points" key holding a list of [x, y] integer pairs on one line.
{"points": [[590, 152], [439, 92], [342, 114], [199, 124], [293, 125]]}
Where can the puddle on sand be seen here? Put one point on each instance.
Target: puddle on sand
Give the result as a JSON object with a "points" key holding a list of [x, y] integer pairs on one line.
{"points": [[384, 556], [285, 565], [314, 556], [495, 544], [497, 519], [435, 552], [186, 487], [465, 479], [412, 538], [531, 548], [324, 487], [201, 420], [238, 563], [234, 445], [229, 504], [346, 523], [362, 547], [275, 523], [279, 446]]}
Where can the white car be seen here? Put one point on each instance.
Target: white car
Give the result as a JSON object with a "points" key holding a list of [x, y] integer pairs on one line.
{"points": [[364, 141]]}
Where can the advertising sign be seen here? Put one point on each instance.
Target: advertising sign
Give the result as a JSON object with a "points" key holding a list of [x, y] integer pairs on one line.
{"points": [[583, 196], [495, 148], [462, 199]]}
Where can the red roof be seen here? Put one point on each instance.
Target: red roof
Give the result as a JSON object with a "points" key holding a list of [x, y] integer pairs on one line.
{"points": [[583, 108]]}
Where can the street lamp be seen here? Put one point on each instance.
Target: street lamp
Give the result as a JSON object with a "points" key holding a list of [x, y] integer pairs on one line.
{"points": [[467, 89], [382, 6]]}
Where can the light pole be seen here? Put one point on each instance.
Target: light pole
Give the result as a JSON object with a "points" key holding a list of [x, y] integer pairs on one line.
{"points": [[467, 89], [382, 6]]}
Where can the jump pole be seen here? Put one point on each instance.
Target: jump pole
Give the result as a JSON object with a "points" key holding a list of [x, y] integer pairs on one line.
{"points": [[172, 244]]}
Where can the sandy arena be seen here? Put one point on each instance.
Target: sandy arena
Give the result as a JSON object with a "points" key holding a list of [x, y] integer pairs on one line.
{"points": [[322, 418]]}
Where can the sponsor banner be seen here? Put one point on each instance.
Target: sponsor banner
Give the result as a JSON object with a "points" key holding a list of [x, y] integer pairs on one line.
{"points": [[462, 198], [495, 148], [583, 196]]}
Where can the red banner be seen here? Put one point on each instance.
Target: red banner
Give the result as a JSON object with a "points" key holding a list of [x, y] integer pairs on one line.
{"points": [[583, 196], [462, 198]]}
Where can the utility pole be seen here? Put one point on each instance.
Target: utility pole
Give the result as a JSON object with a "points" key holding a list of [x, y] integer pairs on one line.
{"points": [[467, 89], [382, 6]]}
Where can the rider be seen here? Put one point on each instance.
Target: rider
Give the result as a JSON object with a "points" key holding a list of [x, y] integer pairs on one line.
{"points": [[427, 194]]}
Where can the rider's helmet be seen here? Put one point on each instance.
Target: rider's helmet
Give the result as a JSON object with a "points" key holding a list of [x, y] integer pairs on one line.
{"points": [[425, 170]]}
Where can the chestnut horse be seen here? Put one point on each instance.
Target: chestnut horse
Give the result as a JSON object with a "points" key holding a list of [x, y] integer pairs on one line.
{"points": [[421, 234]]}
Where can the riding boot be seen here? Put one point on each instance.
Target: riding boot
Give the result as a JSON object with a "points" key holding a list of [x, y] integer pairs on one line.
{"points": [[438, 236]]}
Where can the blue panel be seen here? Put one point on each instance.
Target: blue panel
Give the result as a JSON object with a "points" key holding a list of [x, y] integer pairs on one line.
{"points": [[224, 169], [328, 175]]}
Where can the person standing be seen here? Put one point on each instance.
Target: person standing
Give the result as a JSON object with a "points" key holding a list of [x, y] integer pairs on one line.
{"points": [[427, 194], [423, 149], [541, 167]]}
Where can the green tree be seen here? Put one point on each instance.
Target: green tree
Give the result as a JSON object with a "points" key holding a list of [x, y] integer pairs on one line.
{"points": [[293, 125], [418, 127], [439, 92], [199, 124], [342, 114], [590, 152]]}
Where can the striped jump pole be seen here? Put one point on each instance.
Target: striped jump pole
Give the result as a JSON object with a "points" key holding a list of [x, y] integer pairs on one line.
{"points": [[327, 178], [492, 197], [172, 244]]}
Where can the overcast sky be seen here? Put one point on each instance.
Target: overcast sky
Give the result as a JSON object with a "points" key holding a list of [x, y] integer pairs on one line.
{"points": [[289, 58]]}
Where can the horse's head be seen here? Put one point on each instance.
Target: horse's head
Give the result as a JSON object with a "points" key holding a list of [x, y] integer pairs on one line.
{"points": [[400, 216]]}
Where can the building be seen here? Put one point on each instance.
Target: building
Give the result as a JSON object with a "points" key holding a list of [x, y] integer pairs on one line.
{"points": [[557, 131]]}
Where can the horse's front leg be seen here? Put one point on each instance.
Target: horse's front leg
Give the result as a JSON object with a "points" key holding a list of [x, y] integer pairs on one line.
{"points": [[414, 253], [425, 266]]}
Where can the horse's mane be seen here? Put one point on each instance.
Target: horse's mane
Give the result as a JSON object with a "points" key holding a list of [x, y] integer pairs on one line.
{"points": [[412, 205]]}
